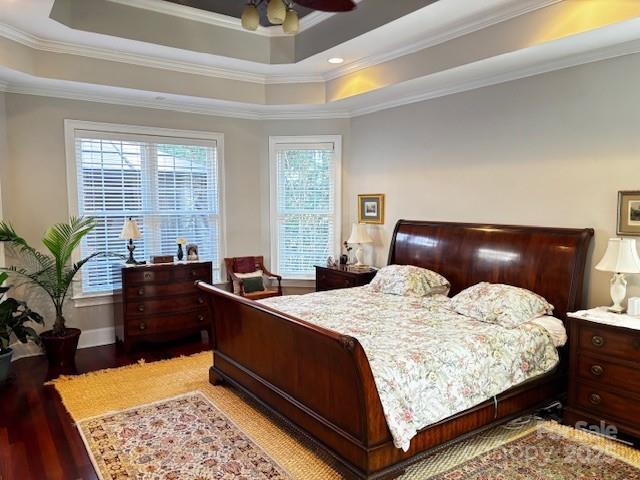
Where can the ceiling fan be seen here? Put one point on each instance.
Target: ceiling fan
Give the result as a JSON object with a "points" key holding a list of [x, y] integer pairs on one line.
{"points": [[281, 12]]}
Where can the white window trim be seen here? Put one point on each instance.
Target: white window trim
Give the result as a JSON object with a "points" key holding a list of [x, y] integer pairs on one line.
{"points": [[304, 139], [70, 128]]}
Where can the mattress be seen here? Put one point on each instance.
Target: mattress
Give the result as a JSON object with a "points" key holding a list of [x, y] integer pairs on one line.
{"points": [[428, 362]]}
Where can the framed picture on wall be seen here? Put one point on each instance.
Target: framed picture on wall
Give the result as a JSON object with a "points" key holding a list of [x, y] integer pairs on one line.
{"points": [[629, 213], [371, 208]]}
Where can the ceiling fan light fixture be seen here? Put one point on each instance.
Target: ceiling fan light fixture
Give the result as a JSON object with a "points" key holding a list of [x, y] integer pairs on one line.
{"points": [[291, 23], [250, 17], [276, 12]]}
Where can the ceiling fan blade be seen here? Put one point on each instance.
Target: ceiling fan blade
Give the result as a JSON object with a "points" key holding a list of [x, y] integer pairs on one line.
{"points": [[328, 5]]}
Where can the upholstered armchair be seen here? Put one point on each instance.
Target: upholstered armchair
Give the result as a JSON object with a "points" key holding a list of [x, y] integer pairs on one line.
{"points": [[247, 275]]}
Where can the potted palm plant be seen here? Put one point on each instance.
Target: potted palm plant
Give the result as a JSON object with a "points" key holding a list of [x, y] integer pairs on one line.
{"points": [[53, 273], [14, 315]]}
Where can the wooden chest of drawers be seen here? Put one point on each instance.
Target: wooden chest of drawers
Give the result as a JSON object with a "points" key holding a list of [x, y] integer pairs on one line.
{"points": [[332, 278], [161, 302], [604, 377]]}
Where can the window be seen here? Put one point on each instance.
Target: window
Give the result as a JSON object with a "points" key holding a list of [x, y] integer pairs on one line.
{"points": [[169, 182], [305, 203]]}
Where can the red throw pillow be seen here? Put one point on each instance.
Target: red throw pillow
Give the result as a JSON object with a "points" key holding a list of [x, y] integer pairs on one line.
{"points": [[244, 265]]}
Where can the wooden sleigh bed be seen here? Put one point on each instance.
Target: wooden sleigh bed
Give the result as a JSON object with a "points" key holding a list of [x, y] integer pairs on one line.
{"points": [[321, 380]]}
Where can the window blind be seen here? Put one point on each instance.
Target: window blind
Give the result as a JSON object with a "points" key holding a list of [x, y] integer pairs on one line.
{"points": [[306, 211], [170, 186]]}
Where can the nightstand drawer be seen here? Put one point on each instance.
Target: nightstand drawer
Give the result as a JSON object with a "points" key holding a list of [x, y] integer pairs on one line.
{"points": [[607, 403], [609, 373], [331, 282], [611, 342]]}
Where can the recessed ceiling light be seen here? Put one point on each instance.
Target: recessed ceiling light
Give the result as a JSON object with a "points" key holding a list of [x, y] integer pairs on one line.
{"points": [[336, 60]]}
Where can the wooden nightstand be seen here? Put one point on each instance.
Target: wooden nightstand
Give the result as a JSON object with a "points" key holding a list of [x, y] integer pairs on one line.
{"points": [[332, 278], [604, 372]]}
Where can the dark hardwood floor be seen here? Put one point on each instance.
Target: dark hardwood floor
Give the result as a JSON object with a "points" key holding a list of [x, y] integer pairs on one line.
{"points": [[38, 439]]}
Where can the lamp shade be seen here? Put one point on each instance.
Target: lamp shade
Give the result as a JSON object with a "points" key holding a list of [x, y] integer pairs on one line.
{"points": [[359, 234], [250, 17], [621, 257], [130, 230], [276, 11], [291, 23]]}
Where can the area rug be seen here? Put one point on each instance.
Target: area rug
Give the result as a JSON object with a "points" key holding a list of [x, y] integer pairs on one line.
{"points": [[163, 420]]}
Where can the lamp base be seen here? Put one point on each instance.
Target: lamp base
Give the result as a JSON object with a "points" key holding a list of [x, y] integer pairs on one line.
{"points": [[131, 247], [618, 292]]}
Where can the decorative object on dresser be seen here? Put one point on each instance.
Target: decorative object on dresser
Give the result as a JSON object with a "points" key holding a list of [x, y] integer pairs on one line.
{"points": [[131, 232], [181, 242], [371, 208], [161, 302], [359, 236], [247, 274], [342, 276], [629, 213], [620, 258], [604, 375], [156, 259]]}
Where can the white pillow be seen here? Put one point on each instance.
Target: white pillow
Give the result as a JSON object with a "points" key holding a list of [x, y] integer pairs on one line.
{"points": [[505, 305], [236, 285], [409, 280]]}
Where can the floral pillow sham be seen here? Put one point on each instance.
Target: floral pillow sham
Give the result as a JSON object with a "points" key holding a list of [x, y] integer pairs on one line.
{"points": [[504, 305], [409, 280]]}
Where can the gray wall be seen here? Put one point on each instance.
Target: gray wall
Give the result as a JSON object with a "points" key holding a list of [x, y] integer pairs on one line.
{"points": [[548, 150]]}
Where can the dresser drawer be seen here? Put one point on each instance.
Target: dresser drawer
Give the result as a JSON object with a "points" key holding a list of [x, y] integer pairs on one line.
{"points": [[610, 342], [163, 305], [191, 273], [607, 403], [609, 373], [143, 275], [162, 290], [169, 323]]}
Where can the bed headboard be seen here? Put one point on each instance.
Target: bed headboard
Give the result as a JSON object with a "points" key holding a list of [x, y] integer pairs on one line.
{"points": [[548, 261]]}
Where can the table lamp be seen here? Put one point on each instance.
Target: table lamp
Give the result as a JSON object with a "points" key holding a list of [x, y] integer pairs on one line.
{"points": [[359, 236], [620, 258], [131, 232]]}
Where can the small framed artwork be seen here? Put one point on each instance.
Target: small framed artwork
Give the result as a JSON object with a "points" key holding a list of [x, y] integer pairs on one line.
{"points": [[371, 208], [629, 213], [192, 252]]}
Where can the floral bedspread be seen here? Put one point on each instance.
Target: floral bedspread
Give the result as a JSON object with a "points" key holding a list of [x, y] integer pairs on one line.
{"points": [[428, 362]]}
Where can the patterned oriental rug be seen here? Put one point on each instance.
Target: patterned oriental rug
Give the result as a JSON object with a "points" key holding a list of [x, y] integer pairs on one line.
{"points": [[164, 421]]}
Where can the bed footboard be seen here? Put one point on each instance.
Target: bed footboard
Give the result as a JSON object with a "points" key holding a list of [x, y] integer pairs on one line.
{"points": [[318, 379]]}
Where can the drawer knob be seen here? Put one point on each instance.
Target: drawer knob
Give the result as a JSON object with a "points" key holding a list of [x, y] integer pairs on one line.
{"points": [[141, 291], [595, 399], [141, 307], [142, 326], [200, 318], [200, 300], [597, 340], [194, 273], [597, 370], [147, 276]]}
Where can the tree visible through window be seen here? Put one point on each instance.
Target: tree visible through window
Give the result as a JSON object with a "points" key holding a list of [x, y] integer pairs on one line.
{"points": [[169, 186], [307, 219]]}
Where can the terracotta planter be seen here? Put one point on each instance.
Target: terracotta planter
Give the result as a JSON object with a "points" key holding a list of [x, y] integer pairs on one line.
{"points": [[5, 364], [61, 349]]}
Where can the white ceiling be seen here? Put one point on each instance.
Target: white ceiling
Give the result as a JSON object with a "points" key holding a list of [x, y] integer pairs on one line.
{"points": [[433, 24]]}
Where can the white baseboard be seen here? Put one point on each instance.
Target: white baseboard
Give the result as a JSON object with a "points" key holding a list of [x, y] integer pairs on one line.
{"points": [[88, 338]]}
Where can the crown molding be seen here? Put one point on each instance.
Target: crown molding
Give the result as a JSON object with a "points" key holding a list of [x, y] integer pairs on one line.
{"points": [[220, 20], [456, 31], [338, 110], [53, 46]]}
